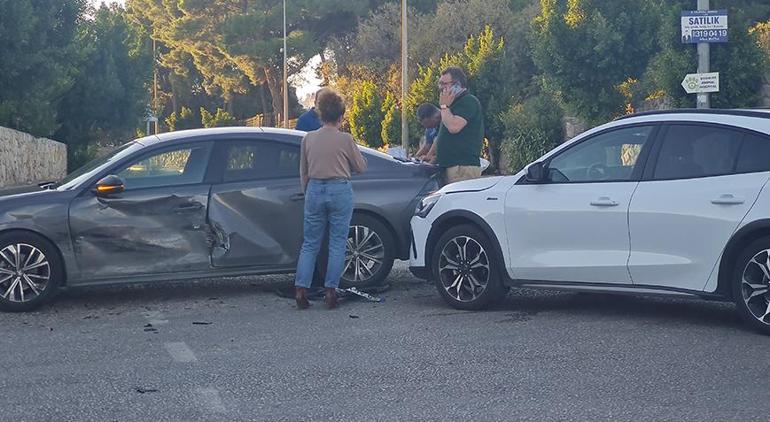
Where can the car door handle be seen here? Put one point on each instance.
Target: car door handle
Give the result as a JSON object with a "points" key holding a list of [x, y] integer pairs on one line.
{"points": [[728, 199], [604, 202], [195, 206], [297, 197]]}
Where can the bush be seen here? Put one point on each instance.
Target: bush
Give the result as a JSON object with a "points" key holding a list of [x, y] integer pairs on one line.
{"points": [[220, 119], [532, 128], [391, 123], [185, 119], [365, 116]]}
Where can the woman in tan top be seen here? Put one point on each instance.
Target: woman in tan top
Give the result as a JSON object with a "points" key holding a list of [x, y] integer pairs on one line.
{"points": [[329, 157]]}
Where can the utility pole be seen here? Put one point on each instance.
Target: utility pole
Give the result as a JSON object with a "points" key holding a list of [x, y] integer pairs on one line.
{"points": [[704, 61], [285, 73], [404, 78], [154, 86]]}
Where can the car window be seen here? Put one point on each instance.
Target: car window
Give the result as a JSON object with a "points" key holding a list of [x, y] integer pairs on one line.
{"points": [[261, 160], [610, 156], [755, 154], [180, 166], [697, 151]]}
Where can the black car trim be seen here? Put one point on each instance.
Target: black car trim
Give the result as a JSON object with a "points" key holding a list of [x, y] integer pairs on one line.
{"points": [[625, 288], [712, 111]]}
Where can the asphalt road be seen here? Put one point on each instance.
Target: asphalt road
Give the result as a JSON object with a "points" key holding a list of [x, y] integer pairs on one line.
{"points": [[233, 350]]}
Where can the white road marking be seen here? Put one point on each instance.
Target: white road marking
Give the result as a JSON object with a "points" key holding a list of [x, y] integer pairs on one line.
{"points": [[155, 317], [180, 352], [210, 399]]}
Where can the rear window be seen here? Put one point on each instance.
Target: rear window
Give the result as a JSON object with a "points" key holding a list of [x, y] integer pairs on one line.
{"points": [[755, 154]]}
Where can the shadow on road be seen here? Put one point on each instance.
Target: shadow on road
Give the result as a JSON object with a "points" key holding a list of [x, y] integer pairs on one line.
{"points": [[649, 309]]}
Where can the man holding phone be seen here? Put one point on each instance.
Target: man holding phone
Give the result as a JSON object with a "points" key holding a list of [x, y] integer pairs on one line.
{"points": [[461, 134]]}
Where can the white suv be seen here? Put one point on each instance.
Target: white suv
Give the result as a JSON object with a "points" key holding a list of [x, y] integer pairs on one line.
{"points": [[670, 203]]}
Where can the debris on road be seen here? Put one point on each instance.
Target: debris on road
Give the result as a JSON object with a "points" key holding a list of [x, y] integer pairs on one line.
{"points": [[357, 292], [142, 390], [354, 316], [201, 323]]}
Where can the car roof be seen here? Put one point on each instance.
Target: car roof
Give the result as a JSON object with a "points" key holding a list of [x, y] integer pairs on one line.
{"points": [[235, 132], [755, 112], [757, 120], [229, 132]]}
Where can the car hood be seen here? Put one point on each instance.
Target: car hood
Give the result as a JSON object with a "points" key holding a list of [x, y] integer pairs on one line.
{"points": [[475, 185]]}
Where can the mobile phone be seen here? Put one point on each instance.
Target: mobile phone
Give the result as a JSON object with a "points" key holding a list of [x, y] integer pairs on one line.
{"points": [[455, 89]]}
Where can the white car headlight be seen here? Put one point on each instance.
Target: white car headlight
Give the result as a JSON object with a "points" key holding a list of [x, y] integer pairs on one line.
{"points": [[427, 204]]}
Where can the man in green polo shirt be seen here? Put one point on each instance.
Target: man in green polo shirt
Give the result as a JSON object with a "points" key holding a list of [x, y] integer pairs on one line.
{"points": [[461, 134]]}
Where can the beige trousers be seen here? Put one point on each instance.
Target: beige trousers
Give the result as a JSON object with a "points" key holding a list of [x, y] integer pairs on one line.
{"points": [[460, 173]]}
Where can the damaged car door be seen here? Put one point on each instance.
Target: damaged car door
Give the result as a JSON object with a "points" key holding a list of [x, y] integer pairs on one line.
{"points": [[155, 224], [255, 213]]}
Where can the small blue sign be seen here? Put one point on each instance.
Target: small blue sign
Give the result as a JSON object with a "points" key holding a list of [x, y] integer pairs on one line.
{"points": [[704, 26]]}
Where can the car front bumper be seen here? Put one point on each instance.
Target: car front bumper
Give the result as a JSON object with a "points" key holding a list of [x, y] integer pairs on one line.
{"points": [[420, 232]]}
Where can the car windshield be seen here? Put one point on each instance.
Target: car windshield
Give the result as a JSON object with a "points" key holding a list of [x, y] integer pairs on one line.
{"points": [[83, 173]]}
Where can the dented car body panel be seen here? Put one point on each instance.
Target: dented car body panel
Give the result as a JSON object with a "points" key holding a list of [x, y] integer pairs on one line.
{"points": [[212, 227]]}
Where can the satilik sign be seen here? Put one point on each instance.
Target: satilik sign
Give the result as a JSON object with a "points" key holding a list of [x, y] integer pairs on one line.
{"points": [[704, 26]]}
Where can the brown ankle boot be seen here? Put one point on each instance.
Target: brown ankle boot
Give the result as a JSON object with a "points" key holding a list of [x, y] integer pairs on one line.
{"points": [[301, 297], [331, 298]]}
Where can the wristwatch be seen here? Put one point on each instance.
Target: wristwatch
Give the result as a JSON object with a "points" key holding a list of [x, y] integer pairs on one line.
{"points": [[444, 106]]}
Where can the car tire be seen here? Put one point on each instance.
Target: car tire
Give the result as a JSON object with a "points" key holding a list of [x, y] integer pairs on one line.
{"points": [[751, 285], [464, 269], [31, 279], [376, 253]]}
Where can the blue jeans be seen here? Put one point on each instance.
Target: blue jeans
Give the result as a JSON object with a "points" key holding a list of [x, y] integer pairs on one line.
{"points": [[327, 202]]}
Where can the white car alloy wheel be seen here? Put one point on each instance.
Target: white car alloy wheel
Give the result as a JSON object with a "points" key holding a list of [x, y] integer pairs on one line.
{"points": [[463, 269], [755, 286]]}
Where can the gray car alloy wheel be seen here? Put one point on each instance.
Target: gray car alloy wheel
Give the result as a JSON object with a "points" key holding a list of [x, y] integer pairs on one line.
{"points": [[755, 286], [364, 256], [464, 268], [24, 273]]}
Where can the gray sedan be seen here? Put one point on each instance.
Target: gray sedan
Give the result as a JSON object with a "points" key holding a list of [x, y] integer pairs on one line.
{"points": [[193, 204]]}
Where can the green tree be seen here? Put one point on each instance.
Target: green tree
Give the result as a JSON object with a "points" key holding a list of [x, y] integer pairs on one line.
{"points": [[532, 128], [740, 63], [234, 44], [108, 100], [185, 119], [39, 60], [219, 119], [365, 116], [391, 122], [587, 48]]}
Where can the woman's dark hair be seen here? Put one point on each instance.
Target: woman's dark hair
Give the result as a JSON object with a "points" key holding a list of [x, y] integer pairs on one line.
{"points": [[330, 106], [457, 75]]}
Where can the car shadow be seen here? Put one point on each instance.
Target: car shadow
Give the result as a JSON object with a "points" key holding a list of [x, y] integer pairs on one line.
{"points": [[655, 310]]}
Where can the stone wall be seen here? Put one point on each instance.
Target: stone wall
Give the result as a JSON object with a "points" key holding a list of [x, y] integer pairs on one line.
{"points": [[25, 159]]}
